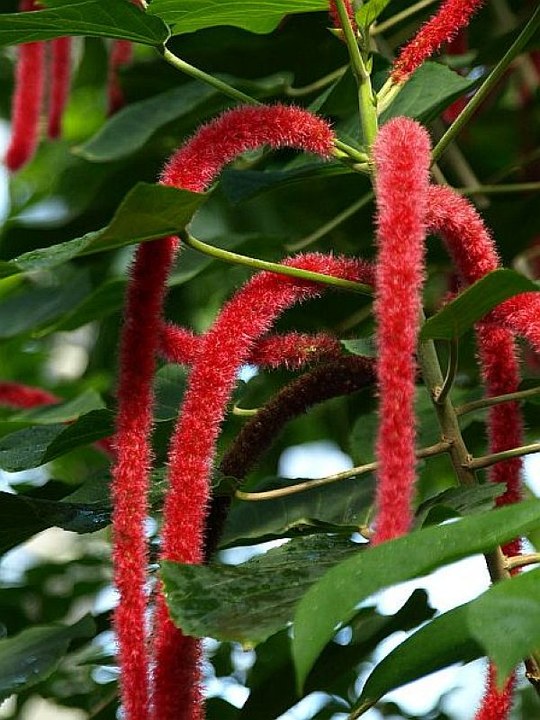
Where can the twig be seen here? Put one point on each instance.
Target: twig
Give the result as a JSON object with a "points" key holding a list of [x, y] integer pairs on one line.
{"points": [[496, 400], [488, 460], [518, 561]]}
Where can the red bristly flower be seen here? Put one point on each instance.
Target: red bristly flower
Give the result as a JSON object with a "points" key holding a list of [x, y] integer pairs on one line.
{"points": [[16, 395], [402, 157], [60, 83], [121, 54], [496, 704], [226, 346], [193, 167], [453, 15], [27, 100], [334, 14]]}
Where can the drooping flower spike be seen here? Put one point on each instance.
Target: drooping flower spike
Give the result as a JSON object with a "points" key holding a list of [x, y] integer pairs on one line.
{"points": [[334, 14], [16, 395], [402, 157], [27, 100], [452, 16], [226, 346], [121, 55], [292, 351], [193, 167], [496, 704], [59, 84]]}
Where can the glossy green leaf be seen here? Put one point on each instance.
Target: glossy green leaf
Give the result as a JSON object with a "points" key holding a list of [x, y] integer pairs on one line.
{"points": [[34, 446], [102, 18], [340, 507], [370, 11], [247, 603], [333, 599], [432, 88], [23, 516], [62, 412], [128, 130], [32, 655], [440, 643], [506, 621], [473, 303], [147, 212], [257, 16]]}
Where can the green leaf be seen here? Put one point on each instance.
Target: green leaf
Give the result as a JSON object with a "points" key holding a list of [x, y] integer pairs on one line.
{"points": [[23, 516], [506, 621], [257, 16], [444, 641], [170, 385], [147, 212], [340, 507], [333, 599], [248, 603], [364, 346], [32, 655], [460, 501], [102, 18], [36, 306], [370, 11], [432, 88], [473, 303], [34, 446], [63, 412], [128, 130]]}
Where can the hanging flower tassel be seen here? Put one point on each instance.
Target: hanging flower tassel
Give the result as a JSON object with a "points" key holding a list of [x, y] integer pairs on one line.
{"points": [[121, 55], [402, 157], [60, 84], [27, 100]]}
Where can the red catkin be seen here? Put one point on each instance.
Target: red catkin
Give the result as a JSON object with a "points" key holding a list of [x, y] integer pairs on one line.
{"points": [[27, 100], [453, 15], [193, 167], [60, 84], [121, 54], [226, 346], [292, 351], [334, 14], [402, 157], [497, 704], [16, 395]]}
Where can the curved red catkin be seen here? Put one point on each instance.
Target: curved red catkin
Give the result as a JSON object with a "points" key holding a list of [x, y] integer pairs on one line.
{"points": [[334, 14], [402, 157], [496, 704], [474, 252], [193, 167], [27, 100], [16, 395], [452, 16], [121, 54], [226, 346], [60, 84], [292, 351]]}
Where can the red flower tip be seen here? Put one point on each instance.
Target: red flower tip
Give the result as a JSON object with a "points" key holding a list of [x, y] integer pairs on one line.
{"points": [[334, 14], [15, 395], [27, 100], [496, 704], [195, 165], [60, 82], [453, 15], [402, 157]]}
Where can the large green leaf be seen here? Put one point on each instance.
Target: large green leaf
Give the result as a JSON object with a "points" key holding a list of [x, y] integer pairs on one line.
{"points": [[102, 18], [32, 655], [34, 446], [473, 303], [370, 11], [444, 641], [258, 16], [506, 621], [332, 600], [432, 88], [248, 603], [340, 507], [23, 516], [62, 412], [127, 131], [147, 212]]}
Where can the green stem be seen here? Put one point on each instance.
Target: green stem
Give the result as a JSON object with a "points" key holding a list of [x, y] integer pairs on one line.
{"points": [[494, 458], [518, 561], [403, 15], [451, 371], [256, 264], [198, 74], [331, 224], [496, 400], [487, 86], [499, 189], [319, 84], [430, 451]]}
